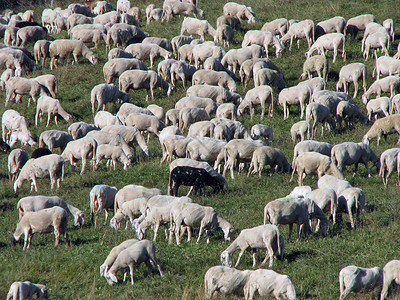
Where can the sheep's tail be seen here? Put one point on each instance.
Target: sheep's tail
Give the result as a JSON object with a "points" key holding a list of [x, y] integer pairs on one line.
{"points": [[115, 205], [41, 142], [266, 214], [93, 203]]}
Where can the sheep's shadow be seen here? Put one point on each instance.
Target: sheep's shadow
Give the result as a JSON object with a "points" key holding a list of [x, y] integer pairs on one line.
{"points": [[299, 253], [6, 206], [80, 241]]}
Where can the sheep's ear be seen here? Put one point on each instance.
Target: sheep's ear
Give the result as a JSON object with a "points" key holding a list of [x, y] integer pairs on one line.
{"points": [[113, 277]]}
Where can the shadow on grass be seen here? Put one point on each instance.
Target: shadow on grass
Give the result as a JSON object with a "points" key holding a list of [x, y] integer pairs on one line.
{"points": [[6, 206], [80, 241], [298, 254]]}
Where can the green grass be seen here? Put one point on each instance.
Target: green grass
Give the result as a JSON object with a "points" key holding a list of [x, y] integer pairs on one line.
{"points": [[72, 272]]}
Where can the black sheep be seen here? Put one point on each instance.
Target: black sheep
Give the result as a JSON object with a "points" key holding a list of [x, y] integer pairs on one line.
{"points": [[195, 177], [4, 146], [39, 152]]}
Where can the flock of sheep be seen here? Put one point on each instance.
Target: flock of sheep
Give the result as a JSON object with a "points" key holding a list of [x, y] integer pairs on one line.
{"points": [[195, 160]]}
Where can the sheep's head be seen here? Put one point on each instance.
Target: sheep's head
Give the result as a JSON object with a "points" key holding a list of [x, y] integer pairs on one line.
{"points": [[226, 259], [17, 185], [79, 219], [202, 14], [103, 270], [93, 59], [114, 224], [111, 278], [364, 99]]}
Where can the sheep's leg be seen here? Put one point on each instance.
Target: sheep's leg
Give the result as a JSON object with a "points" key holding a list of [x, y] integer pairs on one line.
{"points": [[200, 232], [48, 119], [188, 194], [290, 232], [387, 280], [269, 253], [131, 271], [355, 88], [156, 226], [350, 215], [239, 256], [57, 235]]}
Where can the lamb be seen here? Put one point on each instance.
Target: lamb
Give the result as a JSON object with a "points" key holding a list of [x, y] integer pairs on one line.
{"points": [[206, 149], [195, 215], [54, 139], [137, 79], [358, 23], [49, 82], [389, 25], [26, 289], [115, 67], [201, 129], [111, 138], [101, 198], [41, 49], [317, 63], [37, 203], [13, 123], [83, 148], [352, 278], [51, 106], [225, 280], [311, 146], [237, 151], [263, 38], [101, 7], [329, 181], [182, 71], [234, 58], [18, 86], [240, 11], [300, 128], [173, 8], [386, 65], [199, 27], [214, 78], [269, 77], [383, 126], [190, 115], [268, 156], [104, 93], [61, 49], [349, 153], [80, 129], [89, 36], [128, 211], [300, 94], [377, 40], [319, 113], [352, 73], [260, 95], [335, 24], [377, 106], [298, 30], [268, 282], [263, 131], [260, 237], [22, 136], [16, 160], [352, 199], [217, 93], [277, 26], [224, 35], [185, 53], [314, 163], [142, 251], [153, 13], [330, 41], [390, 273], [145, 51], [46, 220], [389, 164], [227, 110]]}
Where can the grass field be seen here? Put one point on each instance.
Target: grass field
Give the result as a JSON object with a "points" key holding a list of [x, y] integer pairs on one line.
{"points": [[72, 272]]}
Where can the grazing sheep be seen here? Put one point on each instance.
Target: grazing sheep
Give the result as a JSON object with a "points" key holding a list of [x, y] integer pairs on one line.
{"points": [[266, 155], [390, 274], [15, 127], [30, 34], [329, 181], [141, 251], [260, 237], [113, 153], [49, 82], [357, 279], [349, 153], [164, 68], [118, 53], [240, 11], [318, 64], [173, 8], [16, 160], [189, 115], [145, 122], [116, 66], [316, 84], [76, 19], [263, 38], [153, 13], [206, 149], [39, 152], [353, 200], [260, 95], [330, 41], [278, 26], [319, 113], [330, 99], [377, 40], [212, 77], [227, 110], [296, 95], [148, 51], [25, 290], [215, 64], [46, 104], [352, 73], [311, 146], [236, 130], [7, 74], [101, 198], [18, 86], [61, 49], [179, 41], [54, 139], [269, 77], [377, 106], [358, 23], [201, 129], [246, 68], [127, 108], [259, 130], [185, 53], [111, 17], [172, 116], [80, 129], [46, 220], [181, 70], [83, 148], [298, 30], [217, 93], [41, 49], [104, 118], [224, 35], [199, 27], [89, 36], [389, 164], [104, 93], [234, 58], [326, 199], [335, 24], [300, 128], [173, 146], [128, 211], [383, 127], [386, 65]]}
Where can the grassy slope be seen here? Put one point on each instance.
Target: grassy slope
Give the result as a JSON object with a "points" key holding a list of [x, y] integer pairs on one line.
{"points": [[313, 264]]}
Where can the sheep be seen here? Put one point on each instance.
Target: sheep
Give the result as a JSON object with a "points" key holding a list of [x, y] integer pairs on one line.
{"points": [[173, 8], [173, 145], [269, 77], [54, 139], [389, 164], [246, 68], [319, 113], [118, 53], [314, 163], [30, 34], [123, 6], [217, 93], [353, 153], [329, 181], [89, 36], [137, 79], [146, 50], [298, 30], [389, 26], [330, 99], [386, 65], [352, 73], [227, 110], [317, 63], [358, 23], [326, 199], [46, 220], [260, 237], [315, 84], [49, 82], [16, 160], [37, 203], [145, 122], [378, 106], [101, 197], [111, 138], [185, 52], [13, 123], [25, 290], [153, 13], [300, 128], [335, 24], [231, 21], [234, 58], [225, 280], [141, 251], [260, 95], [214, 78], [172, 116], [179, 41], [352, 199], [277, 26], [190, 115], [263, 131], [101, 7], [352, 278], [224, 35], [83, 148], [311, 146], [104, 93], [240, 11], [164, 68], [80, 9], [370, 29], [203, 51], [76, 19], [212, 63], [181, 70], [266, 155], [104, 118], [124, 34], [206, 149], [128, 211], [61, 49], [201, 129], [390, 274], [51, 106], [268, 282], [113, 153], [115, 67], [17, 58], [235, 129], [80, 129], [199, 27], [237, 151], [39, 152], [7, 74], [41, 49], [112, 17], [18, 86], [377, 40], [300, 94], [10, 36], [263, 38], [195, 215], [330, 41], [384, 126]]}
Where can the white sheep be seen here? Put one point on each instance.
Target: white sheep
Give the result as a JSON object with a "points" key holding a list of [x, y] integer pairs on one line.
{"points": [[104, 93], [76, 19], [246, 68], [30, 34], [116, 66], [315, 84], [352, 73], [41, 49], [300, 129], [12, 122], [352, 199], [153, 13], [119, 53], [181, 70], [335, 24], [217, 93], [111, 17], [189, 115], [260, 237], [104, 118], [173, 146], [266, 155], [358, 23], [278, 26], [263, 131], [128, 211], [389, 164], [224, 35], [259, 95], [16, 160], [7, 74], [127, 108], [144, 51], [49, 82], [25, 290], [377, 40], [101, 198], [212, 77], [143, 122], [329, 98], [206, 149], [123, 6], [89, 36], [370, 29], [330, 41], [240, 11], [185, 53], [386, 65], [234, 58], [173, 8], [46, 104], [326, 199], [377, 106], [83, 148], [46, 220], [263, 38], [235, 130], [18, 86], [356, 279], [390, 274], [54, 139], [215, 64], [319, 113], [61, 49], [296, 95], [329, 181], [316, 63], [269, 77], [113, 153], [80, 129], [199, 27], [201, 129], [311, 146], [227, 110], [383, 126], [298, 30]]}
